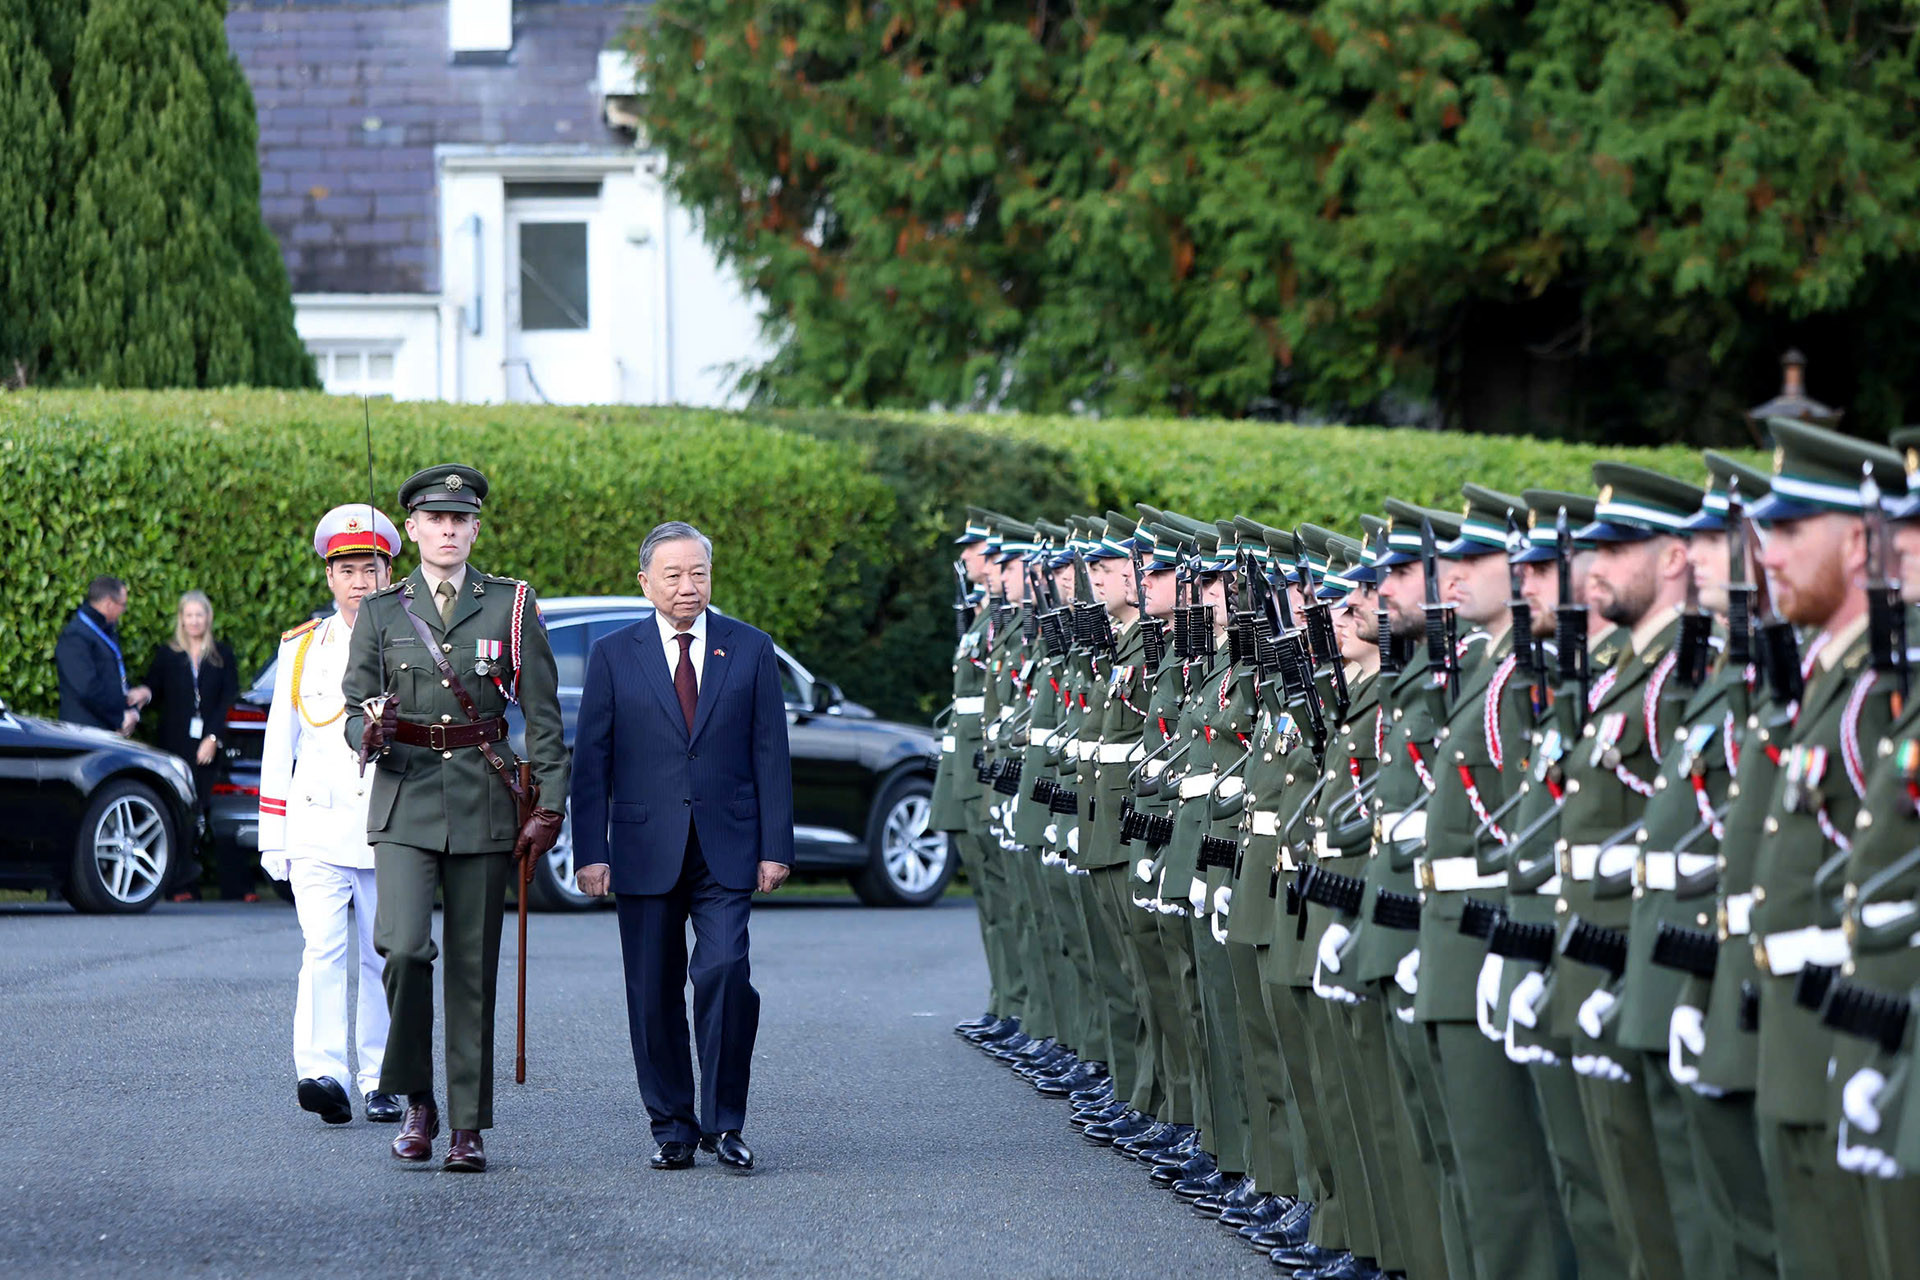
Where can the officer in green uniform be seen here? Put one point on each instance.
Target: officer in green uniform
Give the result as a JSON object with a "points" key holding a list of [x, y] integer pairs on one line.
{"points": [[1815, 559], [435, 660], [1514, 1217], [1705, 1139]]}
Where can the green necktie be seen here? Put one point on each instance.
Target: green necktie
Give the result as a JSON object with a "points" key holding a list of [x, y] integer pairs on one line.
{"points": [[445, 593]]}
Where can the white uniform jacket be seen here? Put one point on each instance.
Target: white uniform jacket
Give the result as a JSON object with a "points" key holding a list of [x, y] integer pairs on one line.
{"points": [[313, 801]]}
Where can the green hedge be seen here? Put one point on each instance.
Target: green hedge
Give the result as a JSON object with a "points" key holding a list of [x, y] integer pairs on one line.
{"points": [[834, 529], [220, 491]]}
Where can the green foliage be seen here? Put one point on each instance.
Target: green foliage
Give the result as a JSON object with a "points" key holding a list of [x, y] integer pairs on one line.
{"points": [[834, 532], [221, 491], [30, 122], [132, 251], [1607, 220]]}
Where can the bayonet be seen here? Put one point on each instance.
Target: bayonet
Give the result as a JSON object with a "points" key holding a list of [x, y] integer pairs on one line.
{"points": [[1570, 625], [1886, 618], [1442, 650]]}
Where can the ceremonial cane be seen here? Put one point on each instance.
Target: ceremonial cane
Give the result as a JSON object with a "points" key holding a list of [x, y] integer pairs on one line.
{"points": [[520, 1000]]}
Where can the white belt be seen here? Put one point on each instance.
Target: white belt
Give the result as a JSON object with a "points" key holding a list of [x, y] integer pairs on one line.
{"points": [[1266, 822], [1401, 825], [1616, 860], [1085, 750], [1117, 752], [1878, 915], [1321, 849], [1662, 870], [1548, 888], [1197, 784], [1580, 862], [1156, 767], [1457, 875], [1005, 712], [1231, 787], [972, 706], [1739, 910], [1790, 952], [949, 744]]}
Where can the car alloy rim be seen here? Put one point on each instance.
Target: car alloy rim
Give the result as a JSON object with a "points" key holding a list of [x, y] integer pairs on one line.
{"points": [[915, 857], [130, 849], [560, 859]]}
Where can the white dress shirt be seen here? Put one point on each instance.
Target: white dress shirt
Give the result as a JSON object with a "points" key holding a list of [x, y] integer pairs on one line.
{"points": [[698, 651]]}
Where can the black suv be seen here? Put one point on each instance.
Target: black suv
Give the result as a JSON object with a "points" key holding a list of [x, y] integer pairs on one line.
{"points": [[862, 787]]}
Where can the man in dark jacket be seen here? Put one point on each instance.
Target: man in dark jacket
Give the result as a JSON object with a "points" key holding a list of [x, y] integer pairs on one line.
{"points": [[93, 672]]}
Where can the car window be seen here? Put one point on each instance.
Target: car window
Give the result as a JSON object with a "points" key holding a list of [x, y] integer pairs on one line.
{"points": [[789, 683], [569, 644]]}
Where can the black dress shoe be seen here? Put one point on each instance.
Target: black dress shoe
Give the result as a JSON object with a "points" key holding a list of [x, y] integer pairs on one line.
{"points": [[1081, 1077], [735, 1156], [1007, 1046], [1129, 1124], [1153, 1135], [1346, 1267], [1093, 1093], [1238, 1191], [326, 1098], [1176, 1155], [1004, 1027], [1238, 1216], [384, 1108], [1263, 1216], [673, 1155], [1244, 1196], [1305, 1257], [1290, 1232], [1110, 1110], [1211, 1185], [1198, 1165], [974, 1025]]}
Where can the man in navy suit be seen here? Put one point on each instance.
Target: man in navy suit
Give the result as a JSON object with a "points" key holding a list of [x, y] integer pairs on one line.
{"points": [[683, 805]]}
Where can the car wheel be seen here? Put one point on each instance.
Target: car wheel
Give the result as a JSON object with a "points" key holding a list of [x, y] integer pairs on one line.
{"points": [[552, 887], [123, 852], [908, 863]]}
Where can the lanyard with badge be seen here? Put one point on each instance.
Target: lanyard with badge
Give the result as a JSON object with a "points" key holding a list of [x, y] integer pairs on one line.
{"points": [[111, 644], [196, 727]]}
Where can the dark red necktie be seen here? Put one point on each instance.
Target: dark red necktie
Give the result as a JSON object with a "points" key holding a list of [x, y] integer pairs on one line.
{"points": [[683, 682]]}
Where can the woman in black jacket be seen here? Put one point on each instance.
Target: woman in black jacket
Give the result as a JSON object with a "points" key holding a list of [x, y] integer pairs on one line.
{"points": [[194, 684]]}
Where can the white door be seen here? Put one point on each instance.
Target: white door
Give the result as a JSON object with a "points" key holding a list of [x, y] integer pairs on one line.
{"points": [[557, 335]]}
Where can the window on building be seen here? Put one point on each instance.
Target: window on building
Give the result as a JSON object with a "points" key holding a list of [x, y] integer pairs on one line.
{"points": [[553, 275], [355, 369]]}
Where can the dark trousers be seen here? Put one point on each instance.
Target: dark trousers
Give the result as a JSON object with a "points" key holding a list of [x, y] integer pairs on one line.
{"points": [[474, 886], [726, 1008]]}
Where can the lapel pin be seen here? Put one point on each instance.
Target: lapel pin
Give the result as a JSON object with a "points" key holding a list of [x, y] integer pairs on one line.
{"points": [[719, 653]]}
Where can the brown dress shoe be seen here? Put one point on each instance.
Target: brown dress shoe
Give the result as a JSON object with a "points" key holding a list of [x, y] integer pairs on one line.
{"points": [[466, 1155], [417, 1133]]}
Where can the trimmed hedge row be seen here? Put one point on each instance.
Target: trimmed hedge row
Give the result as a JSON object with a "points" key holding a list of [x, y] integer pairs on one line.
{"points": [[834, 529], [220, 491]]}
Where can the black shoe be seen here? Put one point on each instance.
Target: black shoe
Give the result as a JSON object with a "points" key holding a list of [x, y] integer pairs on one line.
{"points": [[1305, 1257], [1196, 1166], [1177, 1154], [1129, 1124], [1052, 1063], [995, 1031], [975, 1025], [325, 1098], [1244, 1196], [384, 1108], [1346, 1267], [735, 1157], [1093, 1094], [1261, 1217], [1103, 1115], [1176, 1144], [1082, 1076], [673, 1155], [1041, 1054], [1155, 1134], [1211, 1185], [1238, 1216], [1290, 1232], [1010, 1047], [1238, 1191]]}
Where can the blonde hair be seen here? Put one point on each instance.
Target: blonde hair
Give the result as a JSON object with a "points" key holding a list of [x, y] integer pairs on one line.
{"points": [[179, 641]]}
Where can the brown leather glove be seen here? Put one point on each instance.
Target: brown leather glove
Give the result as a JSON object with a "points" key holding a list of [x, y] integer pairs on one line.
{"points": [[539, 833], [377, 731]]}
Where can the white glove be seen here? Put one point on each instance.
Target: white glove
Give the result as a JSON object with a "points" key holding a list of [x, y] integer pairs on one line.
{"points": [[1073, 838], [1861, 1158], [276, 864], [1327, 960], [1222, 899], [1405, 1015], [1143, 871], [1052, 833], [1860, 1099], [1687, 1035], [993, 812], [1594, 1010], [1600, 1067], [1197, 895], [1486, 998], [1218, 924], [1526, 994], [1407, 973]]}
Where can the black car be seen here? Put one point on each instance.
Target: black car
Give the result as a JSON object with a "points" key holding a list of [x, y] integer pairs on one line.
{"points": [[862, 787], [89, 815]]}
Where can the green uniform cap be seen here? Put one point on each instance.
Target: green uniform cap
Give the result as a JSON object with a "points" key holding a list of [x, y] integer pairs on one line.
{"points": [[1722, 472], [1636, 504], [447, 487], [1816, 470], [1403, 531], [1483, 522]]}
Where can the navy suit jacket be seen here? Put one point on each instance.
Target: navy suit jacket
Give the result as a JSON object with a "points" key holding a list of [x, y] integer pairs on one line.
{"points": [[640, 777]]}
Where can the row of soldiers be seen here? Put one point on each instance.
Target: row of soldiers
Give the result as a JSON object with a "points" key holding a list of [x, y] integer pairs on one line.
{"points": [[1531, 890]]}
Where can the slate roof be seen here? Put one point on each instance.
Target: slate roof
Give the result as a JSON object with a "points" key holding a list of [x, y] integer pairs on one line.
{"points": [[354, 95]]}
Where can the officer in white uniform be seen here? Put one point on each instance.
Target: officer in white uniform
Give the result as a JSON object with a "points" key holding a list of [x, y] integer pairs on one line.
{"points": [[313, 825]]}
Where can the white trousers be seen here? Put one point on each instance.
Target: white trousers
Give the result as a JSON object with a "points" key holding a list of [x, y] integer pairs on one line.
{"points": [[322, 894]]}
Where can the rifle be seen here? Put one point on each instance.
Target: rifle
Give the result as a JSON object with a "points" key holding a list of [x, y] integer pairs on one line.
{"points": [[1094, 624], [1570, 624], [1528, 661], [1886, 619], [1693, 646], [1321, 643], [1739, 589], [1153, 631], [962, 601], [1443, 649], [1296, 671], [1778, 648]]}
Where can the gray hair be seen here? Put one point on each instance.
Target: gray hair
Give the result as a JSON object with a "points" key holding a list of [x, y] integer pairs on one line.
{"points": [[672, 531]]}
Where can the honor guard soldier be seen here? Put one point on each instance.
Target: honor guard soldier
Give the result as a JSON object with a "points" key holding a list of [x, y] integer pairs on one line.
{"points": [[313, 825], [1816, 561], [435, 662]]}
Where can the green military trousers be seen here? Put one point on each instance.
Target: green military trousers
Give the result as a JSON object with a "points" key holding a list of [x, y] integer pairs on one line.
{"points": [[1576, 1170], [987, 872], [475, 887], [1733, 1187], [1270, 1148], [1118, 1014], [1217, 1033], [1819, 1209], [1416, 1076], [1621, 1129]]}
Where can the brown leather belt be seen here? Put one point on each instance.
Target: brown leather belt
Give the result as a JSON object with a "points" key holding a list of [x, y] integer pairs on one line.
{"points": [[451, 737]]}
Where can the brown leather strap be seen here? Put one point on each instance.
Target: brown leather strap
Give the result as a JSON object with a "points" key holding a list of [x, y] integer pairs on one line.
{"points": [[467, 704], [451, 737]]}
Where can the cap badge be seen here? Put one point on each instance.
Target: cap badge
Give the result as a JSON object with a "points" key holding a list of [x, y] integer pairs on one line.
{"points": [[453, 484], [353, 524], [1606, 493], [1779, 460]]}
